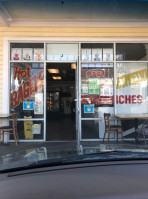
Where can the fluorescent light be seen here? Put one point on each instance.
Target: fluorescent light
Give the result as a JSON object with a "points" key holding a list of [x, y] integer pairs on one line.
{"points": [[73, 66], [53, 70], [56, 77]]}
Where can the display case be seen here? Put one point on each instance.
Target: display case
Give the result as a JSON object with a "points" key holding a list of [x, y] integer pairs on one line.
{"points": [[53, 101]]}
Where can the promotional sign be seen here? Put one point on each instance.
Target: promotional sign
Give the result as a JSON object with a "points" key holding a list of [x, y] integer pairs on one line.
{"points": [[36, 129], [94, 86], [16, 54], [28, 105], [28, 128], [89, 108], [38, 104]]}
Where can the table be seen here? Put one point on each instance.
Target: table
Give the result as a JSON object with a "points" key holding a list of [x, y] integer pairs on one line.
{"points": [[133, 116]]}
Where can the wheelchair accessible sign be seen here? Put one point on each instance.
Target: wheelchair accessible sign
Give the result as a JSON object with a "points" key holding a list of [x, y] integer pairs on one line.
{"points": [[88, 108]]}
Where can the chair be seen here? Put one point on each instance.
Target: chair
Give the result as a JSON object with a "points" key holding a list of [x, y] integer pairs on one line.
{"points": [[111, 128], [10, 129]]}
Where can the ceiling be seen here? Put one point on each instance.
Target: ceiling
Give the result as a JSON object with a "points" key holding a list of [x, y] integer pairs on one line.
{"points": [[47, 12], [65, 72]]}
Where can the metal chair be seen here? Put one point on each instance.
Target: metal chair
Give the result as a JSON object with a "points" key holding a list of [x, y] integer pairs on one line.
{"points": [[111, 128], [10, 129]]}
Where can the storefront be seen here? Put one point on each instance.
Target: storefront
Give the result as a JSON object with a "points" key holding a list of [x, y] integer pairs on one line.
{"points": [[109, 76]]}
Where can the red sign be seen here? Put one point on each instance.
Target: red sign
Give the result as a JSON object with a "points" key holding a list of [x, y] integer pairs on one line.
{"points": [[21, 74], [129, 99], [95, 73]]}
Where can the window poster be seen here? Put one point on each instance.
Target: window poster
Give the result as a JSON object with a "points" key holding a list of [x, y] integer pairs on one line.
{"points": [[106, 90], [94, 86], [97, 54], [16, 54], [107, 54], [36, 129], [27, 54], [38, 104], [84, 88], [38, 54], [86, 54], [27, 105]]}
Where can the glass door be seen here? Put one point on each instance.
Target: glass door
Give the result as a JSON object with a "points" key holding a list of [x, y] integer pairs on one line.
{"points": [[62, 92]]}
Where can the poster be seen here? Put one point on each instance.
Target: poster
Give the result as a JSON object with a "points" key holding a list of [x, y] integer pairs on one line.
{"points": [[38, 54], [86, 54], [107, 54], [27, 54], [97, 54], [84, 88], [28, 128], [89, 108], [27, 105], [94, 86], [36, 129], [38, 103], [16, 54]]}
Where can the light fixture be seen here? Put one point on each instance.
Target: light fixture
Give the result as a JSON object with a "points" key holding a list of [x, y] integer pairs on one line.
{"points": [[56, 78], [53, 70], [73, 66]]}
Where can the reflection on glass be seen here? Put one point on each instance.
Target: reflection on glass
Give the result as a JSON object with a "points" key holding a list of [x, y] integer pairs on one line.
{"points": [[131, 51], [90, 129]]}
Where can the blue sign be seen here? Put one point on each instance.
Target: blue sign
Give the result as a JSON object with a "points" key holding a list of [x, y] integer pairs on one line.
{"points": [[88, 108], [27, 105]]}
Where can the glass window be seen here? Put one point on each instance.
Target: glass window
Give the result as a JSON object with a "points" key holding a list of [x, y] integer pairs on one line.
{"points": [[62, 52], [131, 51], [27, 52], [132, 88], [94, 129], [29, 130], [90, 129], [27, 88], [96, 88]]}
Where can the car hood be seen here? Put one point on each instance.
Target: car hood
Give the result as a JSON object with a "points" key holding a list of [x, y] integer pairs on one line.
{"points": [[64, 155]]}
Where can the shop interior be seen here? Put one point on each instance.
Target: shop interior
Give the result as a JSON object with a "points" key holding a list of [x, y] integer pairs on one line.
{"points": [[60, 104]]}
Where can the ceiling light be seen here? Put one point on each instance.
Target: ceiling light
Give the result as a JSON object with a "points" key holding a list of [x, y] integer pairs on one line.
{"points": [[73, 66], [56, 78], [53, 70]]}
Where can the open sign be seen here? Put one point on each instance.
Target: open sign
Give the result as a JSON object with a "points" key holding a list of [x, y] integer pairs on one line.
{"points": [[95, 73]]}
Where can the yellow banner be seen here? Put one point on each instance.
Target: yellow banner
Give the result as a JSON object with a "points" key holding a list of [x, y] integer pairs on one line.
{"points": [[28, 128], [132, 78]]}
